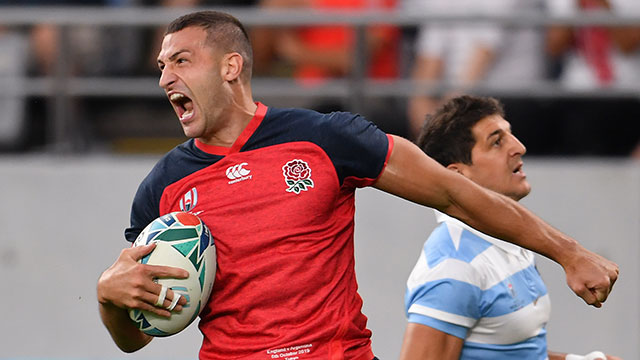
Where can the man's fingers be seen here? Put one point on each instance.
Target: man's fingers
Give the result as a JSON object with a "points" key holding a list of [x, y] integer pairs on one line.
{"points": [[601, 294], [151, 296], [145, 301], [181, 301], [155, 271], [603, 288], [592, 277], [174, 302], [164, 297], [161, 271], [590, 296], [168, 299], [156, 310], [138, 252], [613, 276]]}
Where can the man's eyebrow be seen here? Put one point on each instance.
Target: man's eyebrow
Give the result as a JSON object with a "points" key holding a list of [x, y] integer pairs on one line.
{"points": [[498, 132], [177, 53], [174, 55], [494, 133]]}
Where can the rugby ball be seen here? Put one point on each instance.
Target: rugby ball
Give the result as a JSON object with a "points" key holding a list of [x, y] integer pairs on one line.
{"points": [[184, 241]]}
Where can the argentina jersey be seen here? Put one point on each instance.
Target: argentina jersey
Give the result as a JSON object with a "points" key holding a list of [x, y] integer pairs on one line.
{"points": [[481, 289]]}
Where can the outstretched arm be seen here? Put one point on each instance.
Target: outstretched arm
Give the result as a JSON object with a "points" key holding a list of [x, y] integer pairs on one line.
{"points": [[414, 176]]}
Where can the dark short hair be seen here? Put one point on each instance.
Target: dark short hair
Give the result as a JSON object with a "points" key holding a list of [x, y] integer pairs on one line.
{"points": [[446, 135], [223, 30]]}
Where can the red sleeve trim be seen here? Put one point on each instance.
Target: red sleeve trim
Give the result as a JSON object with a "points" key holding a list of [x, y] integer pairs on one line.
{"points": [[386, 160]]}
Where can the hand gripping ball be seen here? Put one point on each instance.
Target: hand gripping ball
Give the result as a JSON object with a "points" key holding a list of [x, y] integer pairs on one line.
{"points": [[184, 241]]}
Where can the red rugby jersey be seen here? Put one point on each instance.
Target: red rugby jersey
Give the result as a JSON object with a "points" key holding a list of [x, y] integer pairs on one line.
{"points": [[280, 205]]}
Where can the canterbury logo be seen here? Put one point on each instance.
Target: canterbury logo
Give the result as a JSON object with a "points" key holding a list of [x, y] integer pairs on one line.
{"points": [[238, 173]]}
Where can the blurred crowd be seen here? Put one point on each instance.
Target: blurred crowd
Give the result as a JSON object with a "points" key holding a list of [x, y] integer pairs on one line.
{"points": [[507, 60]]}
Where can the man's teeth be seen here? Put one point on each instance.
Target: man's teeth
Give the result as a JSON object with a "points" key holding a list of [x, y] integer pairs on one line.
{"points": [[176, 97], [186, 114]]}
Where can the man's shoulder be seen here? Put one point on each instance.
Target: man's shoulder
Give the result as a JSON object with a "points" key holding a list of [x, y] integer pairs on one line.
{"points": [[178, 162], [335, 128], [172, 157], [308, 115], [451, 241]]}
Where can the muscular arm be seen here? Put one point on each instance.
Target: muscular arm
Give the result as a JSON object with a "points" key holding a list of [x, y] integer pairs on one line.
{"points": [[414, 176], [128, 284], [122, 330], [426, 343]]}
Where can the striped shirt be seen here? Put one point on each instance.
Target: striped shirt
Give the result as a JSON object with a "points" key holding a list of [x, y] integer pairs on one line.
{"points": [[481, 289]]}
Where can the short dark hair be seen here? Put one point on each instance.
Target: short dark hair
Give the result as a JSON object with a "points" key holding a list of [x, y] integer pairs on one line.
{"points": [[223, 30], [446, 135]]}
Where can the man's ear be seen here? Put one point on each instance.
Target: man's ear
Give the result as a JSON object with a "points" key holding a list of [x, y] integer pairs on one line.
{"points": [[455, 167], [231, 68]]}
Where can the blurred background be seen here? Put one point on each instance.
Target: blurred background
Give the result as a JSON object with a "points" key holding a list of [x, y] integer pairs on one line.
{"points": [[82, 120], [81, 76]]}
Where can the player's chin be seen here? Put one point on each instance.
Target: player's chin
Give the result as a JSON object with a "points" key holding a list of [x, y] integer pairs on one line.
{"points": [[190, 131], [522, 191]]}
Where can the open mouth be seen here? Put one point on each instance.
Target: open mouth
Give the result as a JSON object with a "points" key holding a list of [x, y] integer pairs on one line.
{"points": [[518, 169], [183, 105]]}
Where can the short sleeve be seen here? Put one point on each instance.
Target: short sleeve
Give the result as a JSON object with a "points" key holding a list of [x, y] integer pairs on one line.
{"points": [[444, 303], [144, 209], [358, 149], [446, 327]]}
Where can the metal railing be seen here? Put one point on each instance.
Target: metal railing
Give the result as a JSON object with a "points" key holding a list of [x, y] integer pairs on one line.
{"points": [[61, 87]]}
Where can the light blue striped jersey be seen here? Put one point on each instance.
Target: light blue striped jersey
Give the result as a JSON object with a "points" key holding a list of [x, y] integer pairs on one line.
{"points": [[481, 289]]}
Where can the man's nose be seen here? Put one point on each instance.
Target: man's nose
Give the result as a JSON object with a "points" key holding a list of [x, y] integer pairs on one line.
{"points": [[167, 78], [518, 147]]}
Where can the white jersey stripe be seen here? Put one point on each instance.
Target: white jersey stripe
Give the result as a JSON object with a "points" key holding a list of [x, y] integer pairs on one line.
{"points": [[449, 269], [505, 330], [459, 270], [442, 315], [505, 265]]}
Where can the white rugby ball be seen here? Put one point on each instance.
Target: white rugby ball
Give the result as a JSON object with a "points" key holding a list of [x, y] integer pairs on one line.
{"points": [[184, 241]]}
